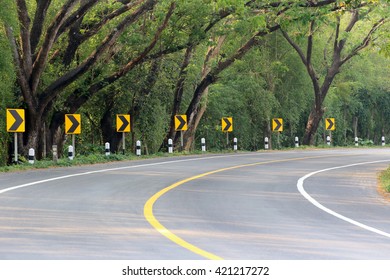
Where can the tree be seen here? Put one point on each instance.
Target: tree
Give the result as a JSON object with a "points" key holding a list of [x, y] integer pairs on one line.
{"points": [[39, 44], [340, 54], [7, 78]]}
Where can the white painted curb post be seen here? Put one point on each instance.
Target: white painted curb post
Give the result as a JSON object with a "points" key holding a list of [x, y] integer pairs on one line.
{"points": [[296, 142], [235, 144], [70, 152], [266, 143], [138, 151], [170, 146], [31, 156], [356, 141], [55, 153], [203, 144], [328, 140], [107, 148], [383, 141]]}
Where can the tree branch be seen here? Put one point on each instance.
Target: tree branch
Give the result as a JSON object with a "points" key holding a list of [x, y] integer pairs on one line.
{"points": [[306, 60], [310, 42], [23, 82], [366, 41], [39, 19], [80, 13], [51, 92], [25, 21], [295, 46], [51, 34], [76, 38]]}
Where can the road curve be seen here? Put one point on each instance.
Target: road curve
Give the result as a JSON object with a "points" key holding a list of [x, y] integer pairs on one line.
{"points": [[314, 204]]}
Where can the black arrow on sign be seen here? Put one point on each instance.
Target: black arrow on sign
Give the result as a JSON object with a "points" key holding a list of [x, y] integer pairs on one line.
{"points": [[182, 122], [330, 124], [278, 124], [75, 124], [125, 123], [18, 120], [228, 124]]}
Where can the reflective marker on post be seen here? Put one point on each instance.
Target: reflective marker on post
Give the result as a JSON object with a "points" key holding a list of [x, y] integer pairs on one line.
{"points": [[328, 140], [138, 151], [31, 156], [107, 148], [170, 146], [203, 143], [356, 141], [296, 142], [235, 144], [70, 152], [383, 141], [266, 143]]}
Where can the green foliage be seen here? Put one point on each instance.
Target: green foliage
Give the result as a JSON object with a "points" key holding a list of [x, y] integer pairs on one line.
{"points": [[269, 81], [7, 75]]}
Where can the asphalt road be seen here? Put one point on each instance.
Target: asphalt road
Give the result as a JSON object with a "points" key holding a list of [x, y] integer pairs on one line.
{"points": [[262, 205]]}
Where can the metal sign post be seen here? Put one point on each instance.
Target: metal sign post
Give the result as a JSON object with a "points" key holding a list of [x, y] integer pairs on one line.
{"points": [[74, 144], [227, 139], [16, 147], [124, 143], [181, 140]]}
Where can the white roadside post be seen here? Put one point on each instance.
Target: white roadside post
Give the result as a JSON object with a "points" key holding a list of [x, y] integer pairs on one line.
{"points": [[55, 153], [356, 141], [296, 142], [203, 144], [328, 140], [70, 152], [266, 143], [31, 156], [138, 151], [383, 141], [107, 148], [170, 146], [235, 144]]}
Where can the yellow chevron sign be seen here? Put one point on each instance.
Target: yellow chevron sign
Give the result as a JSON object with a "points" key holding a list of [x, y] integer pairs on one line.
{"points": [[123, 123], [72, 124], [15, 120], [277, 124], [330, 124], [227, 124]]}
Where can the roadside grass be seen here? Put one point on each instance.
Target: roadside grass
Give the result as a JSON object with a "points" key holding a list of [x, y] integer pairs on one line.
{"points": [[384, 178], [79, 160], [96, 157]]}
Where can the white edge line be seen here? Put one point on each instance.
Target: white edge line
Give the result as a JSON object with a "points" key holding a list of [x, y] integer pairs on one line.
{"points": [[112, 169], [331, 212]]}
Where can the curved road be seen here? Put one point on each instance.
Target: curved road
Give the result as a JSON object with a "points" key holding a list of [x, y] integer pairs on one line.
{"points": [[314, 204]]}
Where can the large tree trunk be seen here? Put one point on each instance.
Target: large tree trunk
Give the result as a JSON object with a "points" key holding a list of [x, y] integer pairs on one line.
{"points": [[312, 125]]}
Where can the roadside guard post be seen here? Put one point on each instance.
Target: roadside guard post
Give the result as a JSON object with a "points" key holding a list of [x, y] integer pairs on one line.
{"points": [[356, 141], [170, 146], [70, 152], [266, 143], [383, 141], [328, 140], [296, 142], [203, 144], [55, 153], [138, 151], [235, 144], [107, 148], [31, 156]]}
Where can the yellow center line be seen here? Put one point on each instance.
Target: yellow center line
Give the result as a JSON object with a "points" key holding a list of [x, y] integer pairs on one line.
{"points": [[148, 207]]}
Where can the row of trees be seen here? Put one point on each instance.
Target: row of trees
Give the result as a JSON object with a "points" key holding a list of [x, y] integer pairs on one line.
{"points": [[253, 60]]}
